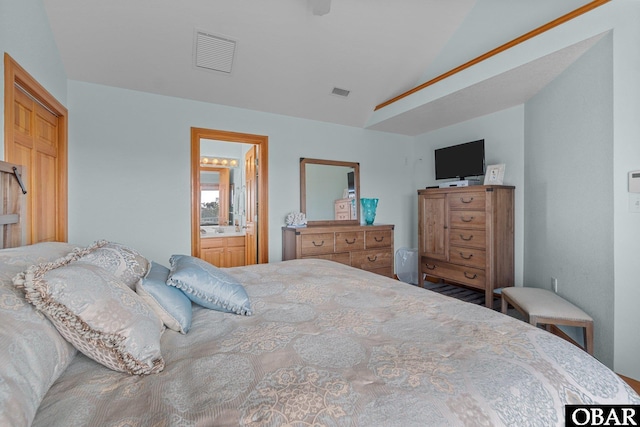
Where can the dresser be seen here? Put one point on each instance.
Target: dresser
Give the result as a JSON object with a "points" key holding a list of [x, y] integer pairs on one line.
{"points": [[367, 247], [466, 236]]}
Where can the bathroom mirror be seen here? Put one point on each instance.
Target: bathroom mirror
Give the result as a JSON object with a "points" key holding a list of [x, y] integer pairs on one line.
{"points": [[330, 191], [216, 198]]}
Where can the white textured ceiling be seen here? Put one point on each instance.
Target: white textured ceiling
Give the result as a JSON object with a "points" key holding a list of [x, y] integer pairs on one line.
{"points": [[287, 60]]}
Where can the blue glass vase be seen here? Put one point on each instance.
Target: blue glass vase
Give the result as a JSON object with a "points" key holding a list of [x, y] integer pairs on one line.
{"points": [[369, 210]]}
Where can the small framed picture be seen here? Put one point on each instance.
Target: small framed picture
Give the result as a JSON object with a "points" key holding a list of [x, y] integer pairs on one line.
{"points": [[494, 175]]}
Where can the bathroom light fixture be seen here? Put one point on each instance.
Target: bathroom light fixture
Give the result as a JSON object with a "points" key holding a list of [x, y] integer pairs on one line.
{"points": [[213, 161]]}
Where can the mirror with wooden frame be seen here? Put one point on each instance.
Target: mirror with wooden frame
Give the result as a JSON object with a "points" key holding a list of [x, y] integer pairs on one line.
{"points": [[330, 191]]}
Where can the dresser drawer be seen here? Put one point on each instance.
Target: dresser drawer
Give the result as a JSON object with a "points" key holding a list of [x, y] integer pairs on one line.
{"points": [[467, 219], [317, 243], [371, 259], [342, 216], [469, 276], [473, 200], [378, 239], [467, 256], [468, 238], [349, 241], [342, 258]]}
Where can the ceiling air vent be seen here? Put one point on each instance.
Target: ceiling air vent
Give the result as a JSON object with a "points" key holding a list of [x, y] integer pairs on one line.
{"points": [[340, 92], [214, 52]]}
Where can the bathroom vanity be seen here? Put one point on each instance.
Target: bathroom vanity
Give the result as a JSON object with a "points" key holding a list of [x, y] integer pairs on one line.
{"points": [[223, 249]]}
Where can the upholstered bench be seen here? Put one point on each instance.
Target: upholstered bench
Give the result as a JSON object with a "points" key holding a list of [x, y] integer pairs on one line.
{"points": [[540, 306]]}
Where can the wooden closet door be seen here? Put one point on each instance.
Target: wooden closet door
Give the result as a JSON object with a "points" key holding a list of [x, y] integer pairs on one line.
{"points": [[35, 146]]}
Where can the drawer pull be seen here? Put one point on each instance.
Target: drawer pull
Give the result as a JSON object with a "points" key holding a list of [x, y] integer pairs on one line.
{"points": [[466, 201], [374, 258], [376, 239], [463, 219], [316, 244], [466, 239], [470, 276], [430, 266], [350, 242], [465, 257]]}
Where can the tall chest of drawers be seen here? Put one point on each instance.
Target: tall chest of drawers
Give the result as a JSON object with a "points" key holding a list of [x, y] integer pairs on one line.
{"points": [[368, 247], [466, 236]]}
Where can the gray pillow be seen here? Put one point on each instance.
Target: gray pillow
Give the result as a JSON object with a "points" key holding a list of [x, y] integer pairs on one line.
{"points": [[33, 354], [208, 285]]}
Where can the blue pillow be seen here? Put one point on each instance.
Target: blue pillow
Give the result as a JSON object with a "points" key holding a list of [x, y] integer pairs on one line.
{"points": [[207, 285], [170, 304]]}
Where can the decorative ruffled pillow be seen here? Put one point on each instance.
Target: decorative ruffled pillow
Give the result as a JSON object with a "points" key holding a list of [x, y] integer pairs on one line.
{"points": [[207, 285], [170, 304], [101, 316], [123, 262]]}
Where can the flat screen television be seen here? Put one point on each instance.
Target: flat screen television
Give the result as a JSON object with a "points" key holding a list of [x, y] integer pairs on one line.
{"points": [[460, 161]]}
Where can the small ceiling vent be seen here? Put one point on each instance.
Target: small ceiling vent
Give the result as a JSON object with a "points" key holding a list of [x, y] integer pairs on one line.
{"points": [[340, 92], [214, 52]]}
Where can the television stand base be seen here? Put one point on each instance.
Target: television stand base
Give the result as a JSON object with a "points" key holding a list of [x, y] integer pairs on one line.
{"points": [[461, 183]]}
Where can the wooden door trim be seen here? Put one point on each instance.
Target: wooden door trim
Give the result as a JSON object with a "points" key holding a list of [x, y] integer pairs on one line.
{"points": [[262, 142], [15, 74]]}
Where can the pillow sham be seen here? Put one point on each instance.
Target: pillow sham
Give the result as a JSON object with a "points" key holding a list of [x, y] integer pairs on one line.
{"points": [[33, 354], [169, 303], [101, 316], [123, 262], [207, 285]]}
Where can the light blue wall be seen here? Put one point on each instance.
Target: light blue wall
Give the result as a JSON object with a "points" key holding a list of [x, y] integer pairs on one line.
{"points": [[626, 158], [569, 183], [26, 35], [129, 170]]}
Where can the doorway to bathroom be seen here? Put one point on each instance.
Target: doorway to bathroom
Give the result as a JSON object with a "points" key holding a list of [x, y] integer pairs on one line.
{"points": [[229, 197]]}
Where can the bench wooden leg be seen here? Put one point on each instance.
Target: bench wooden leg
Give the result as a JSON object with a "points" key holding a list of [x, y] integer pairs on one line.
{"points": [[505, 305], [588, 337]]}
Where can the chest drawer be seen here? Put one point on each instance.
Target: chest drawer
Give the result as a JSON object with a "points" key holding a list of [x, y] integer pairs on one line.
{"points": [[317, 243], [467, 219], [378, 239], [349, 241], [468, 238], [371, 259], [457, 273], [467, 256], [473, 200]]}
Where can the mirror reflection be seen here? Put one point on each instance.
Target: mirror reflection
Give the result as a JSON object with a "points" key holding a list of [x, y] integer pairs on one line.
{"points": [[329, 191], [216, 200]]}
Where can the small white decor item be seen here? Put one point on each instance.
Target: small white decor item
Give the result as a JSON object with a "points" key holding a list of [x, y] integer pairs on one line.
{"points": [[494, 174], [296, 219]]}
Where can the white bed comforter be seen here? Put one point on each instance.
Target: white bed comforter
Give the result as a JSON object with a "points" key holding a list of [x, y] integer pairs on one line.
{"points": [[332, 345]]}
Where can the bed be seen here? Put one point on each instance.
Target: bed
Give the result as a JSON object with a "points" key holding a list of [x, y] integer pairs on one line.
{"points": [[322, 344]]}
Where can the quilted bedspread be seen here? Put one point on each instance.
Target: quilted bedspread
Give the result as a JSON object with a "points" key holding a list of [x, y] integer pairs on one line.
{"points": [[329, 345]]}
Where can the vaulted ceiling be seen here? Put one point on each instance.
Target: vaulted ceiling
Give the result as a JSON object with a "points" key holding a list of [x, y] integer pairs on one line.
{"points": [[287, 59]]}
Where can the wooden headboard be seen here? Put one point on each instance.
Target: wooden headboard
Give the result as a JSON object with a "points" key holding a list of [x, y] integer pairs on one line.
{"points": [[12, 193]]}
